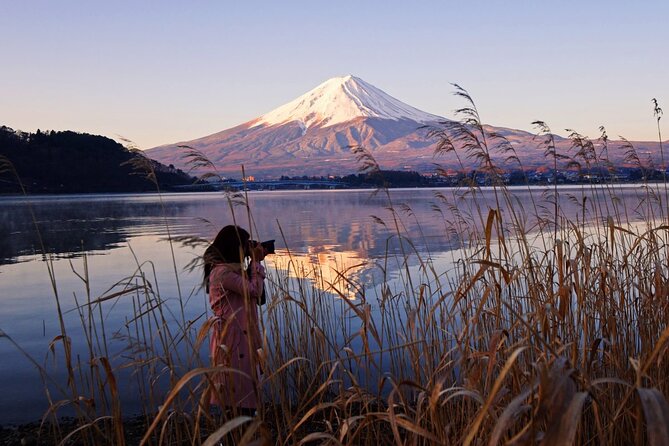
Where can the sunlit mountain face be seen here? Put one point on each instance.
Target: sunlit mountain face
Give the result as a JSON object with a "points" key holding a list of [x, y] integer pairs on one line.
{"points": [[315, 133]]}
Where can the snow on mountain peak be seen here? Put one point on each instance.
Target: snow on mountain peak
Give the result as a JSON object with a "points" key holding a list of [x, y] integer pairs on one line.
{"points": [[342, 99]]}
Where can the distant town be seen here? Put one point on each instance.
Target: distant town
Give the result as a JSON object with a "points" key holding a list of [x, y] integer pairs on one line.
{"points": [[397, 179]]}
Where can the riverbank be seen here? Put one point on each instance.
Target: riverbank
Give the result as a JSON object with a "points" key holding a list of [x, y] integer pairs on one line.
{"points": [[134, 428], [38, 434]]}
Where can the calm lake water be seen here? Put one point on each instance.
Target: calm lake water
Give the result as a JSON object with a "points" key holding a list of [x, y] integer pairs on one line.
{"points": [[110, 234]]}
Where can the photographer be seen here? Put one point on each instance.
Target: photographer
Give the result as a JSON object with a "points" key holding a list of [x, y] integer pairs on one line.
{"points": [[234, 293]]}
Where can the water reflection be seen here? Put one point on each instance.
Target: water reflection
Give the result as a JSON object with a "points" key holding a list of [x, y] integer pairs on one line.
{"points": [[302, 221], [327, 267], [66, 227]]}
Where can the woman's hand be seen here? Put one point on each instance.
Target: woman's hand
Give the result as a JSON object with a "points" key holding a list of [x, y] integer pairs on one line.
{"points": [[258, 252]]}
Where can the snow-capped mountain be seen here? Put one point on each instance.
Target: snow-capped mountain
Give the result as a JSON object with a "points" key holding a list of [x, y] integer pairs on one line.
{"points": [[314, 134], [343, 99]]}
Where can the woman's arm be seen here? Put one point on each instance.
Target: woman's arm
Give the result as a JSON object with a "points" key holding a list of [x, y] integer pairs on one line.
{"points": [[238, 283]]}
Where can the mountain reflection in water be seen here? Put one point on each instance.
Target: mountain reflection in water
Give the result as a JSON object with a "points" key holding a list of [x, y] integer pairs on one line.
{"points": [[327, 268], [71, 225]]}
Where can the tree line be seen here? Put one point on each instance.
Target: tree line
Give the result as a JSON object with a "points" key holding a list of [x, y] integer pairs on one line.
{"points": [[71, 162]]}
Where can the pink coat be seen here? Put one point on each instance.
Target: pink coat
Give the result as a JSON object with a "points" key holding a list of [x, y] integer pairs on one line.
{"points": [[236, 338]]}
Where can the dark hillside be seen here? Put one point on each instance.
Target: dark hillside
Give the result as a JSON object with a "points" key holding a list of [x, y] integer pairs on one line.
{"points": [[70, 162]]}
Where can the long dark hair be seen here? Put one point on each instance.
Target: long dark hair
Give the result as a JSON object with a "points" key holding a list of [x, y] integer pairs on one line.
{"points": [[229, 246]]}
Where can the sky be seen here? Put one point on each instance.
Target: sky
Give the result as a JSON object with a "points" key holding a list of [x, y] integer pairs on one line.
{"points": [[170, 71]]}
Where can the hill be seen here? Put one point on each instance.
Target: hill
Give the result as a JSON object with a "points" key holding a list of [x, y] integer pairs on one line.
{"points": [[70, 162]]}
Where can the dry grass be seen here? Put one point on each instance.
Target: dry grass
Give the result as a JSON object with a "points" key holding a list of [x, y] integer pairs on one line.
{"points": [[544, 330]]}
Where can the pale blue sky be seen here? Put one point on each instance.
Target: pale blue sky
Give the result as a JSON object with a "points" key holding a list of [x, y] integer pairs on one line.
{"points": [[162, 72]]}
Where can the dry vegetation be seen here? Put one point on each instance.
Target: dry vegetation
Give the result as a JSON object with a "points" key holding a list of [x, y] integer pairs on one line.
{"points": [[545, 330]]}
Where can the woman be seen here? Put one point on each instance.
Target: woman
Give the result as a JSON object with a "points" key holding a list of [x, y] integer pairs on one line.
{"points": [[233, 295]]}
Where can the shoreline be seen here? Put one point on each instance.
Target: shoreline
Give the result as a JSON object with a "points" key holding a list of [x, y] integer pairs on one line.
{"points": [[37, 433]]}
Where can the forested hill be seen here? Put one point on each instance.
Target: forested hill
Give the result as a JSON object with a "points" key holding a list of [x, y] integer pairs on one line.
{"points": [[70, 162]]}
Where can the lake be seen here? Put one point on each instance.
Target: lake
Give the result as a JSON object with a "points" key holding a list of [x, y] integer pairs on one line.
{"points": [[106, 238]]}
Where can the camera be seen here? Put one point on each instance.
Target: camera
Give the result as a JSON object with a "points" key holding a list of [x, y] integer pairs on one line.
{"points": [[268, 245]]}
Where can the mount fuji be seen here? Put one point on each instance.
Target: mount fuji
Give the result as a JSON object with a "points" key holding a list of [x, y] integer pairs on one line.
{"points": [[314, 134]]}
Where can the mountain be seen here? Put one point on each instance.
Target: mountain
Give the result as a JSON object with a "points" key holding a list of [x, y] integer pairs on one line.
{"points": [[313, 135]]}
